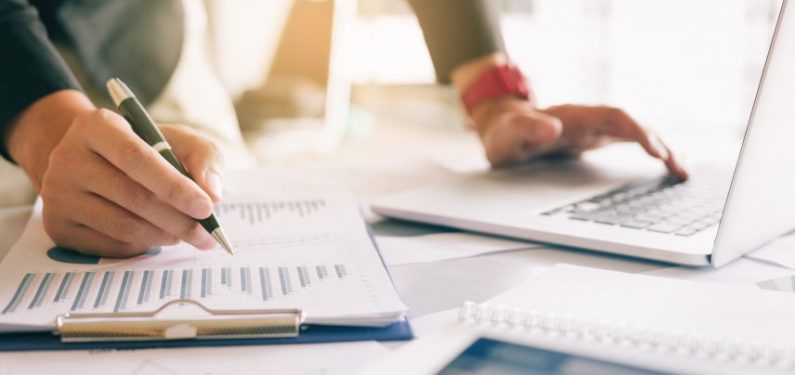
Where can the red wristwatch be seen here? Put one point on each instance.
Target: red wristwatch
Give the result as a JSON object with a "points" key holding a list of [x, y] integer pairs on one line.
{"points": [[499, 81]]}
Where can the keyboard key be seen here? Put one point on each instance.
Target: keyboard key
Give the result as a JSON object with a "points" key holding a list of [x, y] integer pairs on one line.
{"points": [[665, 227], [684, 218], [626, 209], [686, 231], [608, 218], [636, 224], [647, 216], [664, 205], [587, 207]]}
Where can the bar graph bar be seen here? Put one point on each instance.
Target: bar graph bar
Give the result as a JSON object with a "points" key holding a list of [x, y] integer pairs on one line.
{"points": [[104, 289], [226, 277], [166, 283], [63, 289], [44, 287], [187, 283], [82, 292], [341, 271], [322, 272], [245, 280], [207, 282], [303, 276], [146, 287], [22, 289], [124, 291], [265, 284], [284, 280]]}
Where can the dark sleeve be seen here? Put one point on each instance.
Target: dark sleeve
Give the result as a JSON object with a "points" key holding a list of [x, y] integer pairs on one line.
{"points": [[457, 31], [30, 67]]}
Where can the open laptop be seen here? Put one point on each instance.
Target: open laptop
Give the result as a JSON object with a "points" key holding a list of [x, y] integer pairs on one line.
{"points": [[712, 218]]}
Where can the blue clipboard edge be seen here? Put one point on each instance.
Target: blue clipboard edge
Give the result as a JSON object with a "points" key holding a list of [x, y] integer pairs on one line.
{"points": [[310, 334]]}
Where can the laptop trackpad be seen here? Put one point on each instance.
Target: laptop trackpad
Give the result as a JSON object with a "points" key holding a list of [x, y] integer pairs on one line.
{"points": [[518, 191]]}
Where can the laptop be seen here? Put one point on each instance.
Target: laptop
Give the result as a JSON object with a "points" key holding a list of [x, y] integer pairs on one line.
{"points": [[711, 219]]}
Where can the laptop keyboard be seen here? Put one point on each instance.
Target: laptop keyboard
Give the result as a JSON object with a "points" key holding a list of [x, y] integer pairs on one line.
{"points": [[665, 205]]}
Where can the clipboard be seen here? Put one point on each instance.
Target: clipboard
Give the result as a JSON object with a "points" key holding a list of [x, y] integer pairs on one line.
{"points": [[219, 327], [144, 330]]}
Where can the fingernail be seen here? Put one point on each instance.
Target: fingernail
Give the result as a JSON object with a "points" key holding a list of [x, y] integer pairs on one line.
{"points": [[545, 132], [201, 208], [215, 184]]}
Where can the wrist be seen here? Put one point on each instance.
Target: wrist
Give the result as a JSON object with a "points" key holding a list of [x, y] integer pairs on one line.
{"points": [[39, 128], [488, 80], [488, 111], [467, 73]]}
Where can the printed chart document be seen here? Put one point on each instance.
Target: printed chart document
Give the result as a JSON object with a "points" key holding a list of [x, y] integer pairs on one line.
{"points": [[297, 247]]}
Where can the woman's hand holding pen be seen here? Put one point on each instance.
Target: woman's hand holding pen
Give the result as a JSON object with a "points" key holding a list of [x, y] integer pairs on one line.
{"points": [[107, 192]]}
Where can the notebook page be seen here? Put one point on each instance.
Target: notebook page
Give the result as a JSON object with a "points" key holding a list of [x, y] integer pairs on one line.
{"points": [[657, 304], [596, 314], [297, 246]]}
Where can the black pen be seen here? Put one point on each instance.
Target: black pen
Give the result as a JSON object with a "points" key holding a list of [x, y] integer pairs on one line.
{"points": [[145, 127]]}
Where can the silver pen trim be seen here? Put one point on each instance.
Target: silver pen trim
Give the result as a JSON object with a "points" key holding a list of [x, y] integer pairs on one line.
{"points": [[221, 238], [161, 146], [118, 91]]}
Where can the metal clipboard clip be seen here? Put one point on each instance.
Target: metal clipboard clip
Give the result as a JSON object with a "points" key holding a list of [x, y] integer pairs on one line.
{"points": [[150, 326]]}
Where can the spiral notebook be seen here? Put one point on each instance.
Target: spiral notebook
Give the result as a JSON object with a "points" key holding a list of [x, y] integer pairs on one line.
{"points": [[649, 322]]}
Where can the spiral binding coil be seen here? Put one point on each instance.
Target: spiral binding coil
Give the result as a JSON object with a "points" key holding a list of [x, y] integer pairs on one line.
{"points": [[658, 339]]}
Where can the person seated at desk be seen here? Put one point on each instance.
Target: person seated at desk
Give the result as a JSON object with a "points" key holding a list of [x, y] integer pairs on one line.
{"points": [[106, 192]]}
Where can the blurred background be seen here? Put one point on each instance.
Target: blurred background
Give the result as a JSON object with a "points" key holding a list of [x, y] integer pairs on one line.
{"points": [[684, 67]]}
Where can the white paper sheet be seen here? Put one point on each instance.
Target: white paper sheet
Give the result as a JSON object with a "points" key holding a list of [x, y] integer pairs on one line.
{"points": [[315, 359], [442, 246], [741, 271], [297, 246], [780, 251]]}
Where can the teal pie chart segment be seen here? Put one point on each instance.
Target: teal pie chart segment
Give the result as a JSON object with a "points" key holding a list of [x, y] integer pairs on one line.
{"points": [[64, 255]]}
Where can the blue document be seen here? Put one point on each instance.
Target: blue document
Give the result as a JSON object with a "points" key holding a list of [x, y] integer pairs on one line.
{"points": [[493, 357]]}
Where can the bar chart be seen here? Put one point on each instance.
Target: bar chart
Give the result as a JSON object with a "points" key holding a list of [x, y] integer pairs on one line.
{"points": [[261, 212], [126, 290], [309, 251], [281, 242]]}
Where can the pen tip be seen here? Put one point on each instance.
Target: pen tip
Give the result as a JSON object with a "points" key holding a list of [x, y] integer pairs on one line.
{"points": [[220, 236]]}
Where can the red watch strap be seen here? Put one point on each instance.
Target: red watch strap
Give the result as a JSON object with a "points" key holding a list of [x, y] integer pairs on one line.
{"points": [[498, 81]]}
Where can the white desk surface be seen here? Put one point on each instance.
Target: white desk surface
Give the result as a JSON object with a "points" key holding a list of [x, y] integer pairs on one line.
{"points": [[411, 156]]}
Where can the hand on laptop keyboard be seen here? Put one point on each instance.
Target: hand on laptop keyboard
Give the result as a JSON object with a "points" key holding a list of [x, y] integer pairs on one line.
{"points": [[512, 131]]}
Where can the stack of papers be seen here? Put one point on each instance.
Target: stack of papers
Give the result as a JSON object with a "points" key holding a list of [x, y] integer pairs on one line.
{"points": [[297, 247]]}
